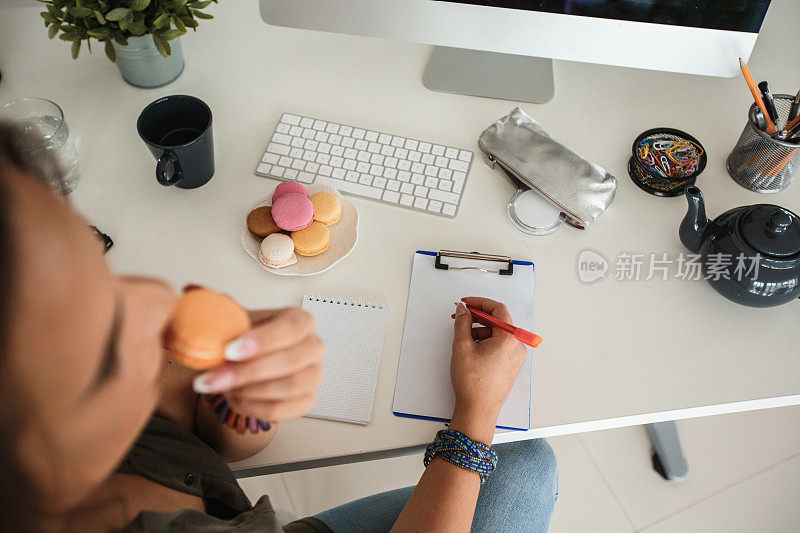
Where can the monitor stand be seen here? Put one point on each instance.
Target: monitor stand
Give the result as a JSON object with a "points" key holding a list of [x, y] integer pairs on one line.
{"points": [[490, 74]]}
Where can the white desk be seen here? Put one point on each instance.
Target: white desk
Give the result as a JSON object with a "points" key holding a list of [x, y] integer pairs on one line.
{"points": [[615, 353]]}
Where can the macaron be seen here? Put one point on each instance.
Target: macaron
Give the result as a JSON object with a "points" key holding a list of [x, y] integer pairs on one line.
{"points": [[293, 211], [260, 222], [312, 240], [327, 208], [288, 187], [277, 251], [202, 323]]}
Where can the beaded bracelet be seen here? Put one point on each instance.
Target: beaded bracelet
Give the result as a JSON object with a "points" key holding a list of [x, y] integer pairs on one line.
{"points": [[458, 449], [238, 422]]}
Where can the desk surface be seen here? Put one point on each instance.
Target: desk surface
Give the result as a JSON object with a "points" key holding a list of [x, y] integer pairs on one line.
{"points": [[615, 353]]}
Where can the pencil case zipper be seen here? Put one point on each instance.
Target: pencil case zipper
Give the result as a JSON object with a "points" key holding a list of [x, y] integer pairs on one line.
{"points": [[492, 160]]}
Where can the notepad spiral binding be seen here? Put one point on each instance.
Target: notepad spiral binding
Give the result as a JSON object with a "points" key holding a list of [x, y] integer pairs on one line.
{"points": [[339, 301]]}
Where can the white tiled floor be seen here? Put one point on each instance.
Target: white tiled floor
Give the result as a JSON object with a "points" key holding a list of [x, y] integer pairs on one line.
{"points": [[744, 476]]}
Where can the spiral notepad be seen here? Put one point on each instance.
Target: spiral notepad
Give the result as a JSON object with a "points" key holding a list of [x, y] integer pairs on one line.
{"points": [[353, 336]]}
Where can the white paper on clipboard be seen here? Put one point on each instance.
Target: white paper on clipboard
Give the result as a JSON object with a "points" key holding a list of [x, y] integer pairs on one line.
{"points": [[423, 388]]}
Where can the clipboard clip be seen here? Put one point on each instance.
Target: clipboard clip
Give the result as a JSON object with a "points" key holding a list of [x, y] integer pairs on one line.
{"points": [[475, 256]]}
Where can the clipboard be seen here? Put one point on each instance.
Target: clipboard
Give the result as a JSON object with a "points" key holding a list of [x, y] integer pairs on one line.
{"points": [[423, 389]]}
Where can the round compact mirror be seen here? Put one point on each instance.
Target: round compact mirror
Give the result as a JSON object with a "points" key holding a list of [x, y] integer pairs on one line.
{"points": [[534, 215]]}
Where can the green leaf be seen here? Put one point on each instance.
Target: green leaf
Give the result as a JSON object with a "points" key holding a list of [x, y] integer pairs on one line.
{"points": [[201, 15], [176, 3], [76, 49], [118, 14], [200, 5], [99, 33], [99, 16], [171, 34], [161, 45], [58, 4], [89, 45], [139, 5], [160, 21], [53, 30], [80, 12], [48, 18], [124, 23], [189, 22], [110, 52], [54, 11], [70, 36], [179, 23], [120, 38], [137, 28]]}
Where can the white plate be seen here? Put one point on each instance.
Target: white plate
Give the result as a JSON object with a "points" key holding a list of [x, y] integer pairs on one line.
{"points": [[344, 236]]}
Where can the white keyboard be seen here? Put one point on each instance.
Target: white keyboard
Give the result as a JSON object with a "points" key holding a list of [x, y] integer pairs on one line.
{"points": [[395, 170]]}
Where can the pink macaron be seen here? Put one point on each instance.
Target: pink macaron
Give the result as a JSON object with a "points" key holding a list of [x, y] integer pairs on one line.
{"points": [[288, 187], [293, 211]]}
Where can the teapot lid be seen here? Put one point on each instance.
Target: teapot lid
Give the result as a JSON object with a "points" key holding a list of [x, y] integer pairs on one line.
{"points": [[771, 230]]}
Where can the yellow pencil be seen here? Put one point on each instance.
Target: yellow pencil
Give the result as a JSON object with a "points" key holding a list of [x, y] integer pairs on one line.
{"points": [[757, 96]]}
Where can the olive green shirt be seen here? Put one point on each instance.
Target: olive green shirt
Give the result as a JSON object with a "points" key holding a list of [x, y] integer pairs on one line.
{"points": [[169, 455]]}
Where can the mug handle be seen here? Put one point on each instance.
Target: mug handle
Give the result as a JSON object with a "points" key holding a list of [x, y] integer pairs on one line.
{"points": [[166, 159]]}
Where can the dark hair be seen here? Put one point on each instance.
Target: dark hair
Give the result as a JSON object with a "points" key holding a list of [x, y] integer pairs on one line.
{"points": [[16, 501]]}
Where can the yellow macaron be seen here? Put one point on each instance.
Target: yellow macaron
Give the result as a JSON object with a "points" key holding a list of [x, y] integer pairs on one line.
{"points": [[312, 240], [327, 208]]}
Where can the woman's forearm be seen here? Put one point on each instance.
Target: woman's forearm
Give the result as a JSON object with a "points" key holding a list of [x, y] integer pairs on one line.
{"points": [[445, 497], [229, 444]]}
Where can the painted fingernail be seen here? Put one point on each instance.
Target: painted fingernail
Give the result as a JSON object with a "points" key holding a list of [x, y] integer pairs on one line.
{"points": [[217, 381], [460, 310], [240, 349]]}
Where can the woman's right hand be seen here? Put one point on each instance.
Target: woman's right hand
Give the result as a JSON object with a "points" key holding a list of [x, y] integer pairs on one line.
{"points": [[483, 368]]}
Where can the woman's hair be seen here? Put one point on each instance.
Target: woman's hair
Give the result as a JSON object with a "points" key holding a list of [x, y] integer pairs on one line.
{"points": [[16, 497]]}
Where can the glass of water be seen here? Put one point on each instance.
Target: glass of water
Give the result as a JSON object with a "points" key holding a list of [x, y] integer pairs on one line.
{"points": [[46, 138]]}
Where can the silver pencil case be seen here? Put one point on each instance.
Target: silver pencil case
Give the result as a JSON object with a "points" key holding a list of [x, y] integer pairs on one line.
{"points": [[530, 156]]}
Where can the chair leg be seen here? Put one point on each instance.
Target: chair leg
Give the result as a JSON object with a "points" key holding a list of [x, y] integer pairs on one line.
{"points": [[668, 459]]}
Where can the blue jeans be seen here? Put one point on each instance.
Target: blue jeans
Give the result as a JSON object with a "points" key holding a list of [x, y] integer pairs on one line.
{"points": [[519, 496]]}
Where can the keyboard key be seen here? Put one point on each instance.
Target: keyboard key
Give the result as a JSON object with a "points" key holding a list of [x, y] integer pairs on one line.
{"points": [[414, 156], [346, 131], [352, 175], [348, 142], [308, 133], [281, 138], [443, 196], [298, 142], [421, 190], [308, 155], [437, 149], [365, 179], [403, 164], [336, 161], [325, 170], [458, 165], [445, 185], [374, 148], [429, 182], [458, 186], [323, 159], [391, 162], [311, 145], [393, 185], [335, 139], [363, 145], [376, 159], [363, 156], [350, 153], [277, 171], [421, 203], [298, 164], [407, 188], [449, 209], [401, 153], [428, 159], [264, 168], [305, 177], [390, 173], [350, 164], [379, 182], [295, 131], [418, 167], [451, 153], [270, 158], [297, 153], [322, 136], [290, 119], [325, 148], [459, 176], [417, 179], [290, 174], [398, 142], [280, 149], [465, 156], [337, 150], [338, 173], [285, 161], [320, 125], [445, 173], [434, 206], [332, 128], [387, 150], [411, 144], [425, 148], [353, 188], [404, 175], [371, 136], [407, 200], [358, 133], [384, 138], [391, 196], [441, 162], [362, 166], [312, 167], [376, 170], [431, 170], [306, 122]]}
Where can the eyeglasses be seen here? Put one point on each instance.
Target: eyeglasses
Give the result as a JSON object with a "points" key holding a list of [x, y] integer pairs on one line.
{"points": [[105, 239]]}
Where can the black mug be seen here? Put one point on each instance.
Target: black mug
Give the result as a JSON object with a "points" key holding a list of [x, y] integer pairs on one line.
{"points": [[177, 130]]}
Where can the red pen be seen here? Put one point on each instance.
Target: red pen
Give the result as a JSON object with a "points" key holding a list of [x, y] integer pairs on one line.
{"points": [[522, 335]]}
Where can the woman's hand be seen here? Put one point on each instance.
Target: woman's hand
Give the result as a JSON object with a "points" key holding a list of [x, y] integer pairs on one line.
{"points": [[273, 370], [483, 368]]}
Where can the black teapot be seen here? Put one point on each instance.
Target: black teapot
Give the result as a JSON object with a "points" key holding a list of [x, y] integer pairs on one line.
{"points": [[761, 247]]}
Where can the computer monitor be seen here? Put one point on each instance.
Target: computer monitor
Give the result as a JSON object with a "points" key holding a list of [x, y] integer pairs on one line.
{"points": [[503, 48]]}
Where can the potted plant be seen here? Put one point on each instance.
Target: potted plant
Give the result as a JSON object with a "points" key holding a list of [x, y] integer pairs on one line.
{"points": [[140, 36]]}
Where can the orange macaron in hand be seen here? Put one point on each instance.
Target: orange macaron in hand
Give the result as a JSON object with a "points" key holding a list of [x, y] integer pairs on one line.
{"points": [[202, 323]]}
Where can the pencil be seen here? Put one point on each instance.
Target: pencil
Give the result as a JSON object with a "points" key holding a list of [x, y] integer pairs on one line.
{"points": [[795, 107], [792, 125], [757, 96]]}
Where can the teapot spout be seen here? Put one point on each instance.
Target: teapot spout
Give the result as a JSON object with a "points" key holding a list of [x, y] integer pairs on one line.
{"points": [[695, 222]]}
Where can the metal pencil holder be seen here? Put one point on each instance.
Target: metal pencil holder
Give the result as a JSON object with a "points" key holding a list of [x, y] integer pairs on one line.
{"points": [[760, 163]]}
